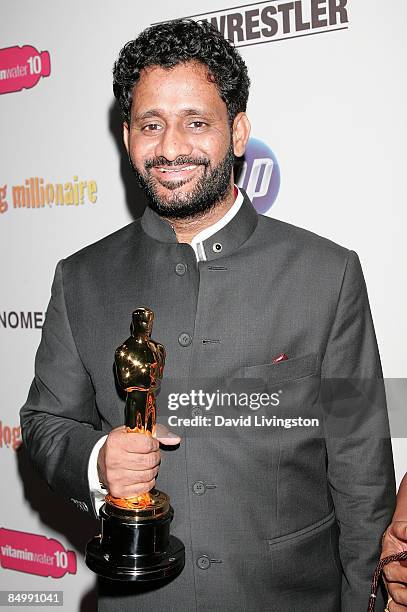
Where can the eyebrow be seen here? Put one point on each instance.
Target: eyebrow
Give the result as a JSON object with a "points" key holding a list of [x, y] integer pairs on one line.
{"points": [[186, 112]]}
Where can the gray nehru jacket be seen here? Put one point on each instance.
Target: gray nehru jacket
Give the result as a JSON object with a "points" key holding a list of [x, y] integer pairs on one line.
{"points": [[271, 519]]}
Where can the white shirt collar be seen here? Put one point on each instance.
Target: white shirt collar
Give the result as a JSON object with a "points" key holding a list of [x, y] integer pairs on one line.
{"points": [[196, 242]]}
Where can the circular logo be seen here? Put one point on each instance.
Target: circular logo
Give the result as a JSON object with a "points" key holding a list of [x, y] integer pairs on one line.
{"points": [[259, 175]]}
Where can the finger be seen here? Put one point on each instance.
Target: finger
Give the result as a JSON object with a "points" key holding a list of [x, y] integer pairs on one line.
{"points": [[165, 436], [128, 478], [135, 461], [399, 530], [139, 489], [394, 572], [398, 592], [395, 606], [132, 490], [139, 443]]}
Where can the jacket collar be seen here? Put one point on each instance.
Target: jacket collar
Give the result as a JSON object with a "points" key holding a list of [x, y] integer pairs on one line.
{"points": [[222, 243]]}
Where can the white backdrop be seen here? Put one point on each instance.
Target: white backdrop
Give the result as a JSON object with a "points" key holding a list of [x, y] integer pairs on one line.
{"points": [[331, 106]]}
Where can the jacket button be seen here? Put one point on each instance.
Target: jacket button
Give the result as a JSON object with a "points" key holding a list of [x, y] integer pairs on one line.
{"points": [[180, 269], [199, 487], [184, 339], [203, 562], [217, 247]]}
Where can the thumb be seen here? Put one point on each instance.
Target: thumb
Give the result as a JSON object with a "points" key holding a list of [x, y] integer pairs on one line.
{"points": [[399, 530], [164, 435]]}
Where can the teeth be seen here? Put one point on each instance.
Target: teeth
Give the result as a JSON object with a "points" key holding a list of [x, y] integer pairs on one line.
{"points": [[176, 169]]}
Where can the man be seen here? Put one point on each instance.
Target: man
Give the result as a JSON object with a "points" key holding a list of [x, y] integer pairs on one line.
{"points": [[394, 542], [270, 520]]}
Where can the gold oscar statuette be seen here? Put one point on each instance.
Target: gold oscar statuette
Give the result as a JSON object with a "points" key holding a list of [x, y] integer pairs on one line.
{"points": [[135, 542]]}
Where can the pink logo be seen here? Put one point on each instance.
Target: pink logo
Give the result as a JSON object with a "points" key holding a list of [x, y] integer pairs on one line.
{"points": [[22, 68], [10, 436], [35, 554]]}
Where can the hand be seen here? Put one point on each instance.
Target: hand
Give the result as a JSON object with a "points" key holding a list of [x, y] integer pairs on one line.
{"points": [[395, 574], [128, 463]]}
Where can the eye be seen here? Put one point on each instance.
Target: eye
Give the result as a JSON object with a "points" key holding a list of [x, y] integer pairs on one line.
{"points": [[198, 124], [151, 127]]}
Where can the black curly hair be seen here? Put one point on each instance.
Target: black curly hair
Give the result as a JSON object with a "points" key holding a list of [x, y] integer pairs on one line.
{"points": [[175, 42]]}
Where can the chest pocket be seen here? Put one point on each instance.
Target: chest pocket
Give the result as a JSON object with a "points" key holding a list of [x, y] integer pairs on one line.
{"points": [[290, 369], [294, 385]]}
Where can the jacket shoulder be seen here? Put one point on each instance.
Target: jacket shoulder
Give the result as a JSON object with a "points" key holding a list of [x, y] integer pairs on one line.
{"points": [[106, 248], [300, 239]]}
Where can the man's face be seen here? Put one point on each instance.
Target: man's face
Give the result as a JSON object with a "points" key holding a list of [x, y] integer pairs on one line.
{"points": [[180, 141]]}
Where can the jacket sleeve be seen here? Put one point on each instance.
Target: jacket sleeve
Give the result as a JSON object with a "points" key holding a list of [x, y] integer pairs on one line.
{"points": [[59, 421], [360, 462]]}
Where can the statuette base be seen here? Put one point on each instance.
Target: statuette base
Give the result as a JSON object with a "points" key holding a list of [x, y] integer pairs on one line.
{"points": [[135, 544]]}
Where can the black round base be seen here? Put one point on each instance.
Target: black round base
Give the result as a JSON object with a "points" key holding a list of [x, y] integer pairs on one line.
{"points": [[132, 569], [134, 548]]}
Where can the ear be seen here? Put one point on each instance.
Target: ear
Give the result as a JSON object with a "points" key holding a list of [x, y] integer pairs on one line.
{"points": [[126, 135], [241, 133]]}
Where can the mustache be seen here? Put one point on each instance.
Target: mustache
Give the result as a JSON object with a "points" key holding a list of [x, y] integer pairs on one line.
{"points": [[156, 162]]}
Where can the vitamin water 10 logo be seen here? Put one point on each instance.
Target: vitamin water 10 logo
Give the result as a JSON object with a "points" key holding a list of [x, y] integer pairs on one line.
{"points": [[35, 554], [22, 68]]}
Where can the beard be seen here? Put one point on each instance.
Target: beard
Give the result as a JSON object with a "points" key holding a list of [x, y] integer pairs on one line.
{"points": [[211, 188]]}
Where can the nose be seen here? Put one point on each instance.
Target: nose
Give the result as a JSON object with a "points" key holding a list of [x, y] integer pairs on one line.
{"points": [[173, 143]]}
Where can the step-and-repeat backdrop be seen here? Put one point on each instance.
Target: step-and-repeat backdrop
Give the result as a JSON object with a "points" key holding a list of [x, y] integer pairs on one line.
{"points": [[327, 152]]}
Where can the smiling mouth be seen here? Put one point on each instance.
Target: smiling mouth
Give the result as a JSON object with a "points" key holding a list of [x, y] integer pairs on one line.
{"points": [[175, 170], [175, 176]]}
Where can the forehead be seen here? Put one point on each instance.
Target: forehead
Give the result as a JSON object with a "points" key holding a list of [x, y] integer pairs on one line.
{"points": [[185, 85]]}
